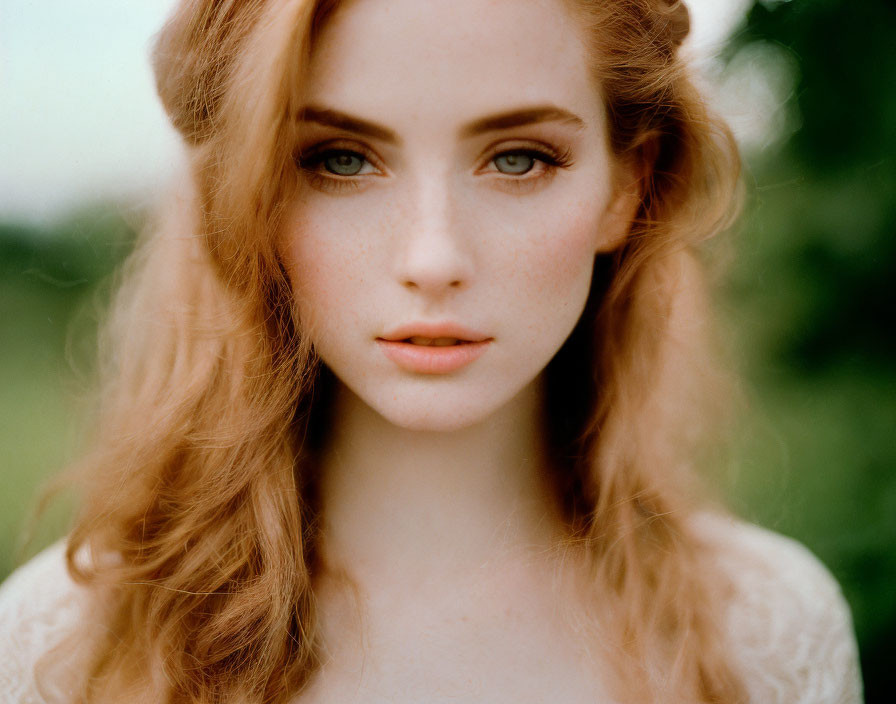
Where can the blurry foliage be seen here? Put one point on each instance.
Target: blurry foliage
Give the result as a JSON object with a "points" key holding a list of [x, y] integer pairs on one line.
{"points": [[808, 306], [51, 296]]}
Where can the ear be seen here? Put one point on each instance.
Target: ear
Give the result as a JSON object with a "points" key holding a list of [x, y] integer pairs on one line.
{"points": [[622, 206]]}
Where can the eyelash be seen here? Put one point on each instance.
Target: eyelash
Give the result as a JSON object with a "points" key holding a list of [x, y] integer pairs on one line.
{"points": [[552, 160]]}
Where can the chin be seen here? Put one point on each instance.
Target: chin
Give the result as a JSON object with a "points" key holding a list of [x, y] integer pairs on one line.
{"points": [[429, 408], [425, 415]]}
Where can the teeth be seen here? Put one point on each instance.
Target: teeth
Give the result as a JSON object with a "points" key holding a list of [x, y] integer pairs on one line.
{"points": [[434, 342]]}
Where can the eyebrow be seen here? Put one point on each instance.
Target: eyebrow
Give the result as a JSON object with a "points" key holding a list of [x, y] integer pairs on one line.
{"points": [[349, 123], [520, 117], [491, 123]]}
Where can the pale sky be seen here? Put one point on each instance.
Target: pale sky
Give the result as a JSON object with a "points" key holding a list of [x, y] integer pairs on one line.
{"points": [[79, 117]]}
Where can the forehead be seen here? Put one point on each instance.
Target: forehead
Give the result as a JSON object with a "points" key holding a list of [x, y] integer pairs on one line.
{"points": [[436, 60]]}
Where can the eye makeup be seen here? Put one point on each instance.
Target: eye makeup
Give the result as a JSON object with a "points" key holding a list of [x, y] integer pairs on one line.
{"points": [[317, 163], [330, 167], [546, 162]]}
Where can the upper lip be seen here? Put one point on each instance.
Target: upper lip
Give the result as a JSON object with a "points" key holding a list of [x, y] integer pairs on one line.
{"points": [[434, 330]]}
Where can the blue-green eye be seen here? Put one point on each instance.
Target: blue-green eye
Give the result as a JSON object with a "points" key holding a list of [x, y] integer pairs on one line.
{"points": [[344, 163], [514, 162]]}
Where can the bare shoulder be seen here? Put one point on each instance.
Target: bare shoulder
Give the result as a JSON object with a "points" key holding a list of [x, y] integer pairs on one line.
{"points": [[786, 619], [40, 605]]}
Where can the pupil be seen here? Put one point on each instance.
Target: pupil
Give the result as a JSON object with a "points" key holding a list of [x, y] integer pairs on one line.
{"points": [[515, 163], [344, 164]]}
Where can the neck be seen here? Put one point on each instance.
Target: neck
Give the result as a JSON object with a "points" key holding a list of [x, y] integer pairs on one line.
{"points": [[409, 504]]}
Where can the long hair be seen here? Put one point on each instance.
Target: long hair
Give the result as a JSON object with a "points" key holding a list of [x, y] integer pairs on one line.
{"points": [[197, 510]]}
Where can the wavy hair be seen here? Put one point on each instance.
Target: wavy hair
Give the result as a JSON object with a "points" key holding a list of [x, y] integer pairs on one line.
{"points": [[198, 502]]}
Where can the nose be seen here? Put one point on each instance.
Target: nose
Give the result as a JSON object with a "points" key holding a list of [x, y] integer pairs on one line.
{"points": [[434, 254]]}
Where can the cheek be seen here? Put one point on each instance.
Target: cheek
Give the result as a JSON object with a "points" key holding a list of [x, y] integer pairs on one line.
{"points": [[323, 263], [559, 254], [556, 274]]}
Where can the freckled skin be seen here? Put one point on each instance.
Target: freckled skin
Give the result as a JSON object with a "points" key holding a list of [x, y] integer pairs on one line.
{"points": [[433, 232], [432, 490]]}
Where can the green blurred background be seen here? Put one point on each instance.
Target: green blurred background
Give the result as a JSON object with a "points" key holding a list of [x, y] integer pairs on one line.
{"points": [[807, 305]]}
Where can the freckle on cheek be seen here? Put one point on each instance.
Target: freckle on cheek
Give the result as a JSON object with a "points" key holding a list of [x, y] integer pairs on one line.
{"points": [[571, 250]]}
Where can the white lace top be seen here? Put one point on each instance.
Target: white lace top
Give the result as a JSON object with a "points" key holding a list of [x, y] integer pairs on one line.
{"points": [[789, 626]]}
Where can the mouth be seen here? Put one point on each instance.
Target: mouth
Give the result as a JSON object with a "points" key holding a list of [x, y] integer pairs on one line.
{"points": [[435, 341], [433, 349], [434, 334]]}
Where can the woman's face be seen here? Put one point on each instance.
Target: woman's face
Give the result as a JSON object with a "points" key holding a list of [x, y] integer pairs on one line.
{"points": [[454, 172]]}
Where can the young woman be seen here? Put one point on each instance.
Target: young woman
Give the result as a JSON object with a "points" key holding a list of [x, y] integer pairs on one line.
{"points": [[397, 399]]}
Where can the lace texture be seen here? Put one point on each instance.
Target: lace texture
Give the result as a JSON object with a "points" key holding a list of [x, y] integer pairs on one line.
{"points": [[39, 606], [787, 623]]}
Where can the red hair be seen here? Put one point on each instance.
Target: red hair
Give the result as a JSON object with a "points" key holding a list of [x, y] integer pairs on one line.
{"points": [[199, 481]]}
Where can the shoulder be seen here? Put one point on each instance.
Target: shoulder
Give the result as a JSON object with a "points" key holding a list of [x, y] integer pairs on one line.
{"points": [[40, 605], [786, 620]]}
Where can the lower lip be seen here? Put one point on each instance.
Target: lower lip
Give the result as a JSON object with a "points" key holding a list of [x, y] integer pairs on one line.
{"points": [[429, 359]]}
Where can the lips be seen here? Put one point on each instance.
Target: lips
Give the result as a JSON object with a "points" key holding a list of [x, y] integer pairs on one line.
{"points": [[435, 342], [430, 359], [441, 334], [433, 348]]}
